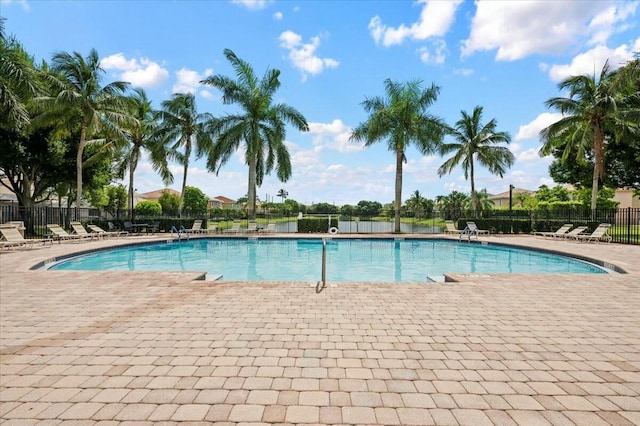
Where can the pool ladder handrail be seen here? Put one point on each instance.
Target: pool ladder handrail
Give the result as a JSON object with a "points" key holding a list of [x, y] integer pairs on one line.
{"points": [[324, 264], [177, 231]]}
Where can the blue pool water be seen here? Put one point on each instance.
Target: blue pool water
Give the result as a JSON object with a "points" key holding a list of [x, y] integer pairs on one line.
{"points": [[347, 260]]}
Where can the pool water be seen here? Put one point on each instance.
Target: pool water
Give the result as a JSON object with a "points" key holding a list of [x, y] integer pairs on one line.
{"points": [[347, 260]]}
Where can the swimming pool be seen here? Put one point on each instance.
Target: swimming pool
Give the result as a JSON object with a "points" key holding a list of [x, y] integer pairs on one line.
{"points": [[347, 259]]}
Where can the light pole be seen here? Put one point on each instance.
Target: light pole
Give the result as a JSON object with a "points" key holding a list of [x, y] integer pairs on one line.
{"points": [[511, 207]]}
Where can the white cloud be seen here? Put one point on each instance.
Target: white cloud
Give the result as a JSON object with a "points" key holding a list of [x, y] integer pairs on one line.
{"points": [[435, 20], [24, 3], [140, 72], [592, 61], [521, 28], [609, 21], [303, 55], [335, 136], [436, 54], [532, 130], [465, 72], [252, 4], [188, 81], [278, 16], [532, 156]]}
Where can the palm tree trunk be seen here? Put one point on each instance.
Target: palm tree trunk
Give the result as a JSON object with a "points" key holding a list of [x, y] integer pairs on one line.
{"points": [[83, 142], [187, 154], [131, 170], [598, 164], [398, 203], [473, 185], [251, 191]]}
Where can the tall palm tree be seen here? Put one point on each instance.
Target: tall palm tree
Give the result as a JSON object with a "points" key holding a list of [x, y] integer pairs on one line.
{"points": [[18, 81], [81, 100], [416, 203], [282, 193], [476, 142], [183, 127], [594, 109], [260, 127], [401, 118], [142, 135]]}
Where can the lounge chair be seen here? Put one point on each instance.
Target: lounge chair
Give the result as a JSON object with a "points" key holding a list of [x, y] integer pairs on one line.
{"points": [[78, 229], [112, 228], [14, 238], [271, 227], [559, 233], [212, 228], [60, 234], [451, 228], [251, 227], [472, 229], [574, 233], [235, 228], [103, 233], [599, 234], [196, 228]]}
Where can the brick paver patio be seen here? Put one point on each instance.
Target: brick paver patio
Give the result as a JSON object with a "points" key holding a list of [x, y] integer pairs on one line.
{"points": [[136, 348]]}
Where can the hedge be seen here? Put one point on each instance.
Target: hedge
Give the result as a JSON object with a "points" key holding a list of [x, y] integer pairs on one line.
{"points": [[315, 224]]}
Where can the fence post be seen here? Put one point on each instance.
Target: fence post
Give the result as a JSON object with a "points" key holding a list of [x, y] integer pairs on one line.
{"points": [[628, 225]]}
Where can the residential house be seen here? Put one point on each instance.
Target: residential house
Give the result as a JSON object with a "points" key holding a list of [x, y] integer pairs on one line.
{"points": [[152, 195], [502, 199], [626, 198], [221, 202]]}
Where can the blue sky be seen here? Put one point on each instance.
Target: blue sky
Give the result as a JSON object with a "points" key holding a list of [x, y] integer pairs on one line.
{"points": [[506, 56]]}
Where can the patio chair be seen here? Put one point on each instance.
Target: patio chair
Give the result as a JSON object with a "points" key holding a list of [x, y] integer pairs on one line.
{"points": [[235, 228], [14, 238], [271, 228], [559, 233], [112, 228], [196, 228], [102, 232], [60, 234], [573, 233], [251, 227], [599, 234], [451, 228], [78, 229], [212, 228]]}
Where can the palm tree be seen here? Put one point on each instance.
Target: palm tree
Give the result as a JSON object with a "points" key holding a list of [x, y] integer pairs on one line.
{"points": [[401, 118], [18, 81], [142, 135], [81, 100], [594, 111], [473, 140], [416, 203], [260, 127], [182, 126], [483, 203], [282, 194]]}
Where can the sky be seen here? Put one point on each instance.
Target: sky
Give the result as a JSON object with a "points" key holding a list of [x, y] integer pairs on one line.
{"points": [[505, 56]]}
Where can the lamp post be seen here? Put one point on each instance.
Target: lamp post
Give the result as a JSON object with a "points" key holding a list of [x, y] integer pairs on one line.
{"points": [[511, 207]]}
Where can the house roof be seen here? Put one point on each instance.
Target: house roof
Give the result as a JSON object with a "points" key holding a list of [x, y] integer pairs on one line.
{"points": [[515, 191], [154, 195], [224, 199]]}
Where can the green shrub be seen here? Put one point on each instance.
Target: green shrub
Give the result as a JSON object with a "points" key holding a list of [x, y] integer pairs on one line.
{"points": [[315, 224], [148, 208]]}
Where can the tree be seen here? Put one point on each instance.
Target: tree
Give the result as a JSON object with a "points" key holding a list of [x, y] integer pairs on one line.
{"points": [[282, 194], [473, 140], [148, 208], [260, 127], [183, 127], [142, 135], [401, 118], [80, 100], [594, 108], [368, 208], [194, 201], [419, 205], [483, 203], [453, 205], [348, 210], [18, 82], [170, 203]]}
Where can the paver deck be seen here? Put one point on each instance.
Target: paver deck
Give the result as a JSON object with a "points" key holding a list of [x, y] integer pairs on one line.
{"points": [[138, 348]]}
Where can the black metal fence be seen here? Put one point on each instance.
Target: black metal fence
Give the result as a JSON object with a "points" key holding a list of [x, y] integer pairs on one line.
{"points": [[625, 222]]}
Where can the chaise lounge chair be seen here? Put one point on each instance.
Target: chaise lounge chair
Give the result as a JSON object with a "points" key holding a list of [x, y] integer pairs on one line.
{"points": [[271, 228], [573, 233], [196, 228], [60, 234], [212, 228], [78, 229], [14, 238], [251, 227], [103, 233], [559, 233], [599, 234], [235, 228], [451, 228]]}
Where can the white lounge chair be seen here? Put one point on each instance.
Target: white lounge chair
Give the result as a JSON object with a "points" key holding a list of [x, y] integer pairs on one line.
{"points": [[271, 228], [451, 228], [559, 233], [251, 227], [14, 238], [235, 228], [212, 228], [62, 235], [599, 234], [96, 229], [574, 233], [472, 229], [78, 229], [196, 228]]}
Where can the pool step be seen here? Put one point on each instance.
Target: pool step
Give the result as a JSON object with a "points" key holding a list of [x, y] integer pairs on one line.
{"points": [[435, 279]]}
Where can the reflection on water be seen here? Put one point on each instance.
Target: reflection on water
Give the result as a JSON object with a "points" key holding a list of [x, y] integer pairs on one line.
{"points": [[347, 260], [367, 227]]}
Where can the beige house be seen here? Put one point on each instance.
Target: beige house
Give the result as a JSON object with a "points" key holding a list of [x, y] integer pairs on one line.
{"points": [[152, 195], [221, 202], [502, 199], [626, 198]]}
